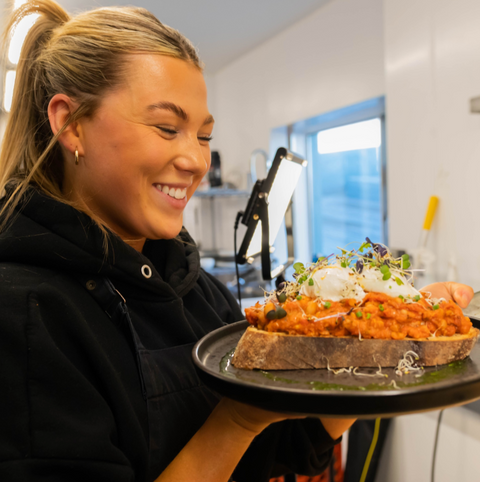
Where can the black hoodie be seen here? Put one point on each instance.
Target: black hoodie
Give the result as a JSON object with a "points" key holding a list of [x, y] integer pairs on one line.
{"points": [[95, 366]]}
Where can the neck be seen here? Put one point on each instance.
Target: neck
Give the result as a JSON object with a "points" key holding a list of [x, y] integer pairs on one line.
{"points": [[136, 244], [72, 195]]}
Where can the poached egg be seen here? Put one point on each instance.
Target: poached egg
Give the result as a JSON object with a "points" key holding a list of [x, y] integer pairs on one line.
{"points": [[333, 282]]}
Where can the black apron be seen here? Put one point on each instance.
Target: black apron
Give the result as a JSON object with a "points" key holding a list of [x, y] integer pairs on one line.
{"points": [[177, 401]]}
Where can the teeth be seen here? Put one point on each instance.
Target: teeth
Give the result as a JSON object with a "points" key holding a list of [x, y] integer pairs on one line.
{"points": [[172, 192], [179, 193]]}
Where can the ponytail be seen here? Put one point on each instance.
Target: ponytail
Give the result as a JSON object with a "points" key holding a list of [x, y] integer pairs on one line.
{"points": [[23, 143]]}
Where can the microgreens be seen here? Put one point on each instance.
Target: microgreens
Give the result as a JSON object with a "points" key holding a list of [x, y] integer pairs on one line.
{"points": [[299, 268], [405, 261], [363, 246], [376, 256], [369, 255]]}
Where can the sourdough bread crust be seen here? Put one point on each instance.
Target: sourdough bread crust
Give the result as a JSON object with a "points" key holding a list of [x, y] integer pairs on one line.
{"points": [[279, 351]]}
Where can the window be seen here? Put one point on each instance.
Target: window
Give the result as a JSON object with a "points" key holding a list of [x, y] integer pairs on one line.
{"points": [[342, 195], [346, 170]]}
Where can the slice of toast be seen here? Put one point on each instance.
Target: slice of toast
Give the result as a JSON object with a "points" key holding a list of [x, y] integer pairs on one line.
{"points": [[279, 351]]}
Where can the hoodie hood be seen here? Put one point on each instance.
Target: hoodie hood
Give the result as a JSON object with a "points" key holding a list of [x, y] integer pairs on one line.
{"points": [[49, 234]]}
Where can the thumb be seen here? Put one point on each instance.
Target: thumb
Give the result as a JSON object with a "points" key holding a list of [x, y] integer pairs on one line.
{"points": [[461, 294]]}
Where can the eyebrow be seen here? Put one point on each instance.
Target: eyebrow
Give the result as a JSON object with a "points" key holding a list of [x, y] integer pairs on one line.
{"points": [[177, 110]]}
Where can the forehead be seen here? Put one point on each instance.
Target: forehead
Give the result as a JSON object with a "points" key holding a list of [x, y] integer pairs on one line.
{"points": [[150, 79]]}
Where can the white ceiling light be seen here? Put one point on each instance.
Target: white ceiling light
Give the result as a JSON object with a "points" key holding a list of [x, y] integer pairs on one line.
{"points": [[361, 135], [8, 91], [18, 37]]}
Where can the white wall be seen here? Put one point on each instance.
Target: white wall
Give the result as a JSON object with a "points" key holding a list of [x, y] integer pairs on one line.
{"points": [[210, 82], [409, 448], [331, 59], [432, 69]]}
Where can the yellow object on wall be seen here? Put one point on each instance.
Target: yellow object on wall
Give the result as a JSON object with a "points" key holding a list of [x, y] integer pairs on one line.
{"points": [[432, 207]]}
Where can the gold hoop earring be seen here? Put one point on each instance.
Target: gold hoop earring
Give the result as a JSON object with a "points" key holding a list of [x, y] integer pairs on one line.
{"points": [[76, 157]]}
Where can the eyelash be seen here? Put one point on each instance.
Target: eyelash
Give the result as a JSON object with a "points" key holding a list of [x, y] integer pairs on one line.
{"points": [[171, 131]]}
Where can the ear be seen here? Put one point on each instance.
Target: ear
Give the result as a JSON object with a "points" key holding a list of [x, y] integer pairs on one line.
{"points": [[60, 108]]}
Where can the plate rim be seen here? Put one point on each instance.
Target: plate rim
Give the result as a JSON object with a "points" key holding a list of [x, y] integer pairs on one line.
{"points": [[350, 393], [331, 396]]}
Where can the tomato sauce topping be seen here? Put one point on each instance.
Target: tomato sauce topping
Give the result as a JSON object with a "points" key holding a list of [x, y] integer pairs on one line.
{"points": [[378, 316]]}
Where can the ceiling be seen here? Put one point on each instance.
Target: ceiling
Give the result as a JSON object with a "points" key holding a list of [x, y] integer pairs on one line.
{"points": [[222, 30]]}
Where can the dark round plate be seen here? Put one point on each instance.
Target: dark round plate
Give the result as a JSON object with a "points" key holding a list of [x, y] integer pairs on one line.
{"points": [[320, 392]]}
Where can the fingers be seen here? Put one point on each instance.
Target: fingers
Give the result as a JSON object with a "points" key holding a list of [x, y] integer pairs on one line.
{"points": [[437, 290], [461, 294], [254, 418]]}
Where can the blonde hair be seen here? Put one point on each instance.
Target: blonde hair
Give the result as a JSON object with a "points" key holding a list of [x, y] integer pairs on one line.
{"points": [[83, 57]]}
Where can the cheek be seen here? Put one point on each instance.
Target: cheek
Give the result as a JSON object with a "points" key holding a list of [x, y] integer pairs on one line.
{"points": [[110, 138], [122, 155]]}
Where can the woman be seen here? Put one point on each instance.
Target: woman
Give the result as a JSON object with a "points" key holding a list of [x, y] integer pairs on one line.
{"points": [[107, 140], [102, 295]]}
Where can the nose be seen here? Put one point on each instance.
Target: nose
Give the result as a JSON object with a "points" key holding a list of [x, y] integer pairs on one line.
{"points": [[193, 158]]}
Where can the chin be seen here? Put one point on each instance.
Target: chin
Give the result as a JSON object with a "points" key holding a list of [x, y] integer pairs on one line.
{"points": [[170, 233], [160, 226]]}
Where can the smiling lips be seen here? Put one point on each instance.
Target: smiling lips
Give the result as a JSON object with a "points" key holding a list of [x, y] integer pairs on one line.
{"points": [[172, 192]]}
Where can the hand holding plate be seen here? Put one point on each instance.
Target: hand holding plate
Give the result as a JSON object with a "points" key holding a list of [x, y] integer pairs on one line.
{"points": [[460, 293]]}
